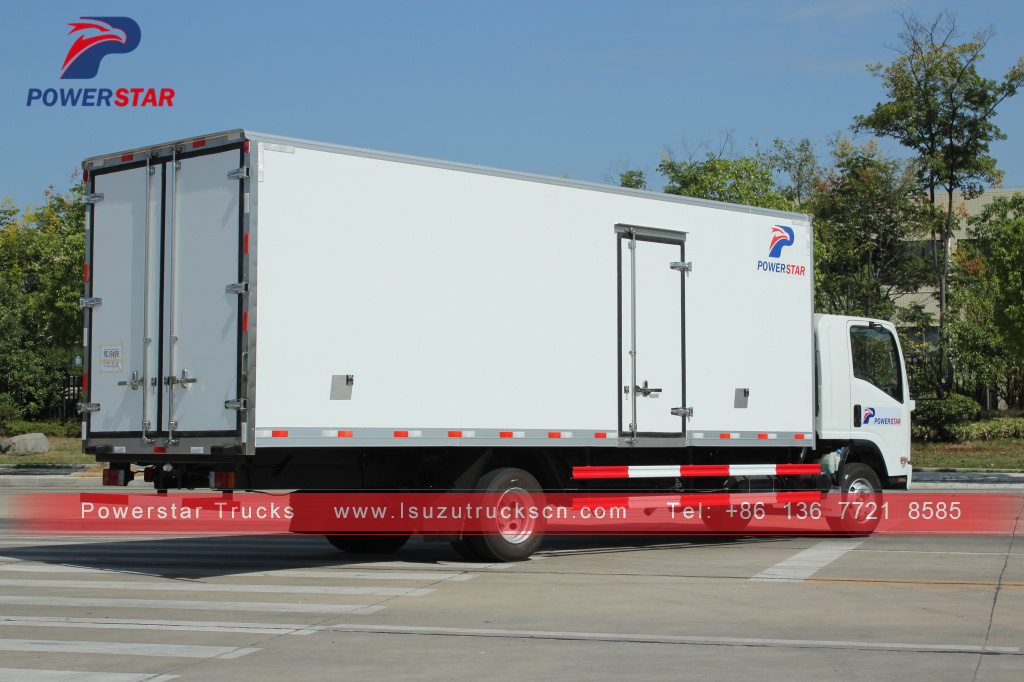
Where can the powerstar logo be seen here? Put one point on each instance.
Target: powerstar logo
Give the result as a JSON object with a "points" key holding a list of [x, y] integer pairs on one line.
{"points": [[883, 416], [98, 37], [117, 35], [781, 236]]}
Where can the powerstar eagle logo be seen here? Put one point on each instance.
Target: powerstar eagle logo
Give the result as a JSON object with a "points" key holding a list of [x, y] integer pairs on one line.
{"points": [[869, 412], [781, 236], [97, 37], [116, 35]]}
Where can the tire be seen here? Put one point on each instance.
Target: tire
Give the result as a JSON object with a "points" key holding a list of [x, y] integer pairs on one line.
{"points": [[368, 543], [515, 538], [858, 483], [466, 550]]}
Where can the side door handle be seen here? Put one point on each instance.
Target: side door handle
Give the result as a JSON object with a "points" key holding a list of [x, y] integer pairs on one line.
{"points": [[856, 416]]}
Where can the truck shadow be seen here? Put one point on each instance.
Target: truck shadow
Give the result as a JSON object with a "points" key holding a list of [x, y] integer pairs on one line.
{"points": [[207, 557]]}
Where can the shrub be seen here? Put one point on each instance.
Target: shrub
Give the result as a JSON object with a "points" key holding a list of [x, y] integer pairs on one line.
{"points": [[940, 419], [992, 429], [51, 429]]}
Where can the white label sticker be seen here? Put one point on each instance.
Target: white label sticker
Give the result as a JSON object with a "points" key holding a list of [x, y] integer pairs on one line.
{"points": [[110, 358]]}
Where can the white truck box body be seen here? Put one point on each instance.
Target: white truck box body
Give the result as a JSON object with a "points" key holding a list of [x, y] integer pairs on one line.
{"points": [[473, 306]]}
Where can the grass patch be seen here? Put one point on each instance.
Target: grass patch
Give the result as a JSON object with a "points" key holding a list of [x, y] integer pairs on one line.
{"points": [[63, 451], [986, 454]]}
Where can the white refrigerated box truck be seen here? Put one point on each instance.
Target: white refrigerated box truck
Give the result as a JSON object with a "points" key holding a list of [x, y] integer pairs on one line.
{"points": [[268, 312]]}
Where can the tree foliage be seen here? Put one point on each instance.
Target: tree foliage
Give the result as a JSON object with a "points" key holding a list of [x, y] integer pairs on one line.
{"points": [[42, 252], [940, 107], [986, 329], [746, 180], [796, 160], [866, 208]]}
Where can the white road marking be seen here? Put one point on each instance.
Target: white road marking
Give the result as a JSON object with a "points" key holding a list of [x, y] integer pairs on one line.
{"points": [[804, 564], [216, 587], [124, 648], [191, 604], [668, 639], [150, 624], [33, 675]]}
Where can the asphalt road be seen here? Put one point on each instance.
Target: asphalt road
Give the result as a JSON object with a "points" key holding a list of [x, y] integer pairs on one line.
{"points": [[132, 608]]}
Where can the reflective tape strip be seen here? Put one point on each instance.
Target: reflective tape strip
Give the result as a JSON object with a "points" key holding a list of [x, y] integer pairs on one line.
{"points": [[279, 434], [696, 470]]}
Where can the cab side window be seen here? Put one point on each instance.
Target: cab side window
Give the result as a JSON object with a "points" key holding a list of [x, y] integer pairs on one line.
{"points": [[876, 360]]}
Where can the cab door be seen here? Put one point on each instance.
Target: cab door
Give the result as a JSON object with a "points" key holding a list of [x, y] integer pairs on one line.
{"points": [[878, 390]]}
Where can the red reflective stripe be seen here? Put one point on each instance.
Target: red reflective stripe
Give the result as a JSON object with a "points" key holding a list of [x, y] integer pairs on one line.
{"points": [[196, 144], [600, 472], [455, 434], [763, 436], [800, 436], [344, 434], [159, 450], [554, 434], [85, 381], [86, 272], [245, 320], [724, 435], [797, 469], [279, 434], [245, 246], [401, 434], [600, 435], [704, 470], [127, 157], [505, 434]]}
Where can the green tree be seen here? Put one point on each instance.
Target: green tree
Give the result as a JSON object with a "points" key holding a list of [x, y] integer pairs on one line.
{"points": [[42, 253], [746, 180], [866, 208], [796, 160], [633, 178], [940, 107], [986, 329]]}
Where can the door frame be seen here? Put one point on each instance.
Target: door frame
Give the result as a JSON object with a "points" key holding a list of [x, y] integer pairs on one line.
{"points": [[626, 233]]}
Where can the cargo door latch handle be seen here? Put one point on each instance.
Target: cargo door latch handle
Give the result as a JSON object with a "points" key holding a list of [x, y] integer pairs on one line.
{"points": [[644, 391], [134, 383], [185, 380]]}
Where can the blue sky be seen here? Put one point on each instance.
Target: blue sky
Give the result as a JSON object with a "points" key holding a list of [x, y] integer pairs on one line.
{"points": [[547, 87]]}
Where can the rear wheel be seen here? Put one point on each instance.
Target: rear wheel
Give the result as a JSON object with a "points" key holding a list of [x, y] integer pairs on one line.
{"points": [[860, 494], [368, 543], [513, 527]]}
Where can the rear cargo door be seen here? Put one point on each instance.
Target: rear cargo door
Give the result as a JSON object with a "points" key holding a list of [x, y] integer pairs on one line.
{"points": [[651, 281], [201, 322], [123, 275]]}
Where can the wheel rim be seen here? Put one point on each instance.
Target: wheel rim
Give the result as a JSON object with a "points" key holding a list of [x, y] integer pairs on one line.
{"points": [[860, 490], [517, 528]]}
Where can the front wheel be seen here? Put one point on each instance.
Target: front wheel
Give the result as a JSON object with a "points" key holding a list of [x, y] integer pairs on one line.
{"points": [[512, 526], [860, 496]]}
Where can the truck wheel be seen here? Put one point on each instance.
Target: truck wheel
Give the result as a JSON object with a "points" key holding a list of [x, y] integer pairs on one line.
{"points": [[368, 543], [512, 535], [860, 487], [466, 550]]}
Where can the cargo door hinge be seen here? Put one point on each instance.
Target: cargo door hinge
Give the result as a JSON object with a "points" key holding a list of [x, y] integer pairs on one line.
{"points": [[237, 288], [682, 412], [239, 173], [682, 267], [237, 404], [89, 302], [94, 198]]}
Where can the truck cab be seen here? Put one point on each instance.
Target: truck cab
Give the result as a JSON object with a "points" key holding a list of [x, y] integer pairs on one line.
{"points": [[863, 403]]}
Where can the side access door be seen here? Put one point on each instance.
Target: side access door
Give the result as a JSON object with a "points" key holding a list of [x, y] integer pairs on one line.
{"points": [[165, 326], [651, 335]]}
